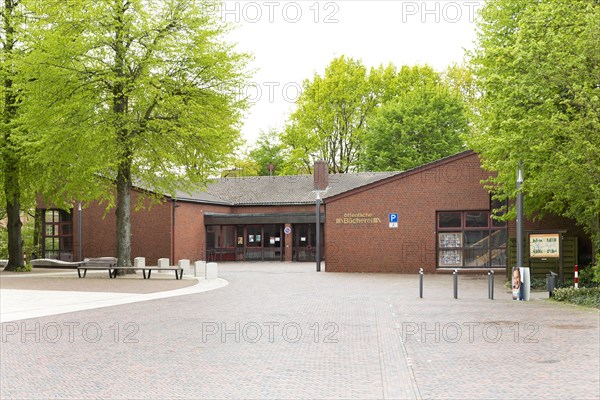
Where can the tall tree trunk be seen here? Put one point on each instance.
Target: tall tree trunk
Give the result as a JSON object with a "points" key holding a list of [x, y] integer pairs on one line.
{"points": [[120, 103], [124, 216], [13, 211], [37, 234], [10, 167]]}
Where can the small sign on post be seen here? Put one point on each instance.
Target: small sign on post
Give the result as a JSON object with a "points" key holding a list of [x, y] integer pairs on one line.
{"points": [[393, 220]]}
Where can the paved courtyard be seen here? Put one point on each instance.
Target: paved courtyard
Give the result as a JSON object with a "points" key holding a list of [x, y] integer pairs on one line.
{"points": [[283, 331]]}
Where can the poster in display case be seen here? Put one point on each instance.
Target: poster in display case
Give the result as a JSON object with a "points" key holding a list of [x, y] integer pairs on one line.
{"points": [[450, 249], [449, 240]]}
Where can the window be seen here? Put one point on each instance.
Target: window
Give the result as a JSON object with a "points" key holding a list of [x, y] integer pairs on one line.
{"points": [[58, 235], [450, 220], [228, 236], [470, 239]]}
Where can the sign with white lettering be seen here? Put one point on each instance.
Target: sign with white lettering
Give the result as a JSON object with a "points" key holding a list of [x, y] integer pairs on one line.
{"points": [[393, 220], [358, 218]]}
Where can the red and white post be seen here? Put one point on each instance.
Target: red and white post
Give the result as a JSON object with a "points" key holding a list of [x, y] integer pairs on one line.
{"points": [[576, 276]]}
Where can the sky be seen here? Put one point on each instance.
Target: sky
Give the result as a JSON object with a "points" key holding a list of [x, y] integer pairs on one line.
{"points": [[292, 40]]}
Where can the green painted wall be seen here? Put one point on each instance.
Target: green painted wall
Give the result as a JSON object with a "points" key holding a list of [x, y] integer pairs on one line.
{"points": [[540, 267]]}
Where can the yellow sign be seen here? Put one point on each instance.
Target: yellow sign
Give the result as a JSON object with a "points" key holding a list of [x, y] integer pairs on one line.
{"points": [[358, 218], [544, 245]]}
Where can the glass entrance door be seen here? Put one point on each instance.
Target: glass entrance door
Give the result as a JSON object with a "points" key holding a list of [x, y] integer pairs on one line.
{"points": [[254, 243], [272, 243], [304, 242]]}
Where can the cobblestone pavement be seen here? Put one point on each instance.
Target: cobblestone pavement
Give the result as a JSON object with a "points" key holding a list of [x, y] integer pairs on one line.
{"points": [[95, 281], [283, 331]]}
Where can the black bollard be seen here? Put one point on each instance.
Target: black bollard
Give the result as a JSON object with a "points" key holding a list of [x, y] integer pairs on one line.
{"points": [[421, 283], [455, 281], [491, 285]]}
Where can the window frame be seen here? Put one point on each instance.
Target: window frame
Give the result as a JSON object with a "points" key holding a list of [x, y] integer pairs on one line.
{"points": [[60, 222], [467, 251]]}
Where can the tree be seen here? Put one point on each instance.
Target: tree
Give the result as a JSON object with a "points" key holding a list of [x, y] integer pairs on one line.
{"points": [[13, 47], [267, 150], [422, 122], [537, 66], [134, 91], [461, 81], [330, 118]]}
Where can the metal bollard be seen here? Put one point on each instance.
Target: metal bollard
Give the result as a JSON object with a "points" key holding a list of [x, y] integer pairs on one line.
{"points": [[455, 281], [491, 285], [421, 283]]}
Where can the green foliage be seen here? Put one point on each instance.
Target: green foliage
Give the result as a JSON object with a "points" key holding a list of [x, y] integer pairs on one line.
{"points": [[536, 67], [18, 179], [150, 85], [28, 229], [123, 93], [379, 119], [241, 166], [267, 150], [25, 268], [421, 124], [587, 277], [330, 119], [3, 242], [584, 296], [538, 283]]}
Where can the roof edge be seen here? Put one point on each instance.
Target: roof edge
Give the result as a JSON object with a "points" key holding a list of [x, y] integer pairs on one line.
{"points": [[401, 175]]}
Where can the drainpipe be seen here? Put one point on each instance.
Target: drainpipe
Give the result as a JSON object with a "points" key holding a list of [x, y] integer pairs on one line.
{"points": [[79, 234], [318, 230], [173, 232]]}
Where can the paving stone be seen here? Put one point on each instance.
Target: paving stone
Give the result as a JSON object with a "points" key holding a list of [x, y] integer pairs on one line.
{"points": [[292, 333]]}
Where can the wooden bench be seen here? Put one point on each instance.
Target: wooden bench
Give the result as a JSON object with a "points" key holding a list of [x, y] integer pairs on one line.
{"points": [[178, 271], [50, 262], [112, 270], [102, 263], [139, 263], [105, 264]]}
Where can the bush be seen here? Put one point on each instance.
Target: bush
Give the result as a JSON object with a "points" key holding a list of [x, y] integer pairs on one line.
{"points": [[26, 268], [586, 276], [538, 283], [3, 243], [584, 297]]}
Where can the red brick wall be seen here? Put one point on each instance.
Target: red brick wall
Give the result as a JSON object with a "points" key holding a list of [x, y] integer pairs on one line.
{"points": [[415, 196], [150, 230], [190, 233]]}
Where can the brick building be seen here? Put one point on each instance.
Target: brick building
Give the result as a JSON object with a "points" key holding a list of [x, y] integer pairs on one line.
{"points": [[436, 216]]}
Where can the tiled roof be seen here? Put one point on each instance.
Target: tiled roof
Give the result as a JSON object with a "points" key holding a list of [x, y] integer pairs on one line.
{"points": [[271, 190]]}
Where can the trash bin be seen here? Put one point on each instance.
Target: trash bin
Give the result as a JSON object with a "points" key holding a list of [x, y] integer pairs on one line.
{"points": [[551, 283]]}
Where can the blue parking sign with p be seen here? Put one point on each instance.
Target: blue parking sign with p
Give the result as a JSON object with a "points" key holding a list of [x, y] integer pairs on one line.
{"points": [[393, 220]]}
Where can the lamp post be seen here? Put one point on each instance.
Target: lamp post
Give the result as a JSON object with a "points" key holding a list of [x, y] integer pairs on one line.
{"points": [[318, 231]]}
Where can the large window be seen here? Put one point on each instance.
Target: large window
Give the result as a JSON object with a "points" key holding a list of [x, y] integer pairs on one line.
{"points": [[58, 235], [244, 242], [470, 239]]}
